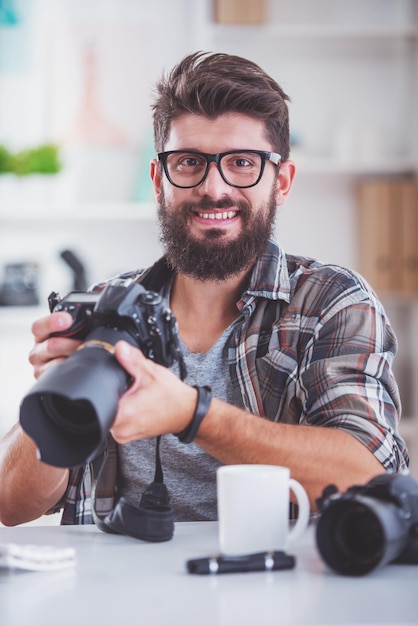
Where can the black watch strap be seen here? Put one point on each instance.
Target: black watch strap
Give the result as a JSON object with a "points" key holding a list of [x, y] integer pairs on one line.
{"points": [[204, 397]]}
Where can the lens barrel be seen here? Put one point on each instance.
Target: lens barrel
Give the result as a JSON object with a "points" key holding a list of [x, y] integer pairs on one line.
{"points": [[357, 535], [71, 408]]}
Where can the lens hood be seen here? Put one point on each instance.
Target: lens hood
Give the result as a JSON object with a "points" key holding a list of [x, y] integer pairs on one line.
{"points": [[71, 408]]}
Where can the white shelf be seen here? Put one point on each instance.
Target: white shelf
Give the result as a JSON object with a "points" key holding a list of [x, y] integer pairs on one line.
{"points": [[329, 165], [112, 211], [308, 31]]}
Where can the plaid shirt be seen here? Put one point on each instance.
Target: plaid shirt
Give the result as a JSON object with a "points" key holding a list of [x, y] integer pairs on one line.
{"points": [[314, 347]]}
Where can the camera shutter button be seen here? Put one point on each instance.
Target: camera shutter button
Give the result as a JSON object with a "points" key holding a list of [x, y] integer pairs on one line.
{"points": [[150, 297]]}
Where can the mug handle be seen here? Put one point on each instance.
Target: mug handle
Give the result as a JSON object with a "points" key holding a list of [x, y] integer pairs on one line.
{"points": [[304, 510]]}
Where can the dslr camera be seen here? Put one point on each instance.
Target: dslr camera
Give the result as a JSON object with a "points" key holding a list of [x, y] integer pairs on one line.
{"points": [[369, 526], [71, 408]]}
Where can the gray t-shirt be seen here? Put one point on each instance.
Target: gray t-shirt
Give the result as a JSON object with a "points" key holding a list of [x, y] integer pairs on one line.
{"points": [[189, 472]]}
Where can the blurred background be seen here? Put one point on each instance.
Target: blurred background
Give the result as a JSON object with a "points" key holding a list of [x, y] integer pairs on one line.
{"points": [[76, 204]]}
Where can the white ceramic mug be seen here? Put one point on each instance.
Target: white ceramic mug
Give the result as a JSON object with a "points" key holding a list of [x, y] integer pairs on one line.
{"points": [[253, 508]]}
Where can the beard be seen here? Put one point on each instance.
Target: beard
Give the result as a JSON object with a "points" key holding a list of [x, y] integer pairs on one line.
{"points": [[215, 257]]}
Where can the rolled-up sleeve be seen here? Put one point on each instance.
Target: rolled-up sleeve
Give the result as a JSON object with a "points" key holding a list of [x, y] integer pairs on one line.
{"points": [[346, 378]]}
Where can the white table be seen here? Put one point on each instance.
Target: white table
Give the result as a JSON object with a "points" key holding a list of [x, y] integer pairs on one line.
{"points": [[121, 581]]}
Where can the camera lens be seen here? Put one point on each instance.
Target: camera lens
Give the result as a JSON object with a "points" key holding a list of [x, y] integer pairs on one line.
{"points": [[350, 537], [355, 536], [75, 416], [358, 535], [72, 406]]}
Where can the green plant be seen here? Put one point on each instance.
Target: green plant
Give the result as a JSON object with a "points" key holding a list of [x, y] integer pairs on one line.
{"points": [[6, 160], [43, 159]]}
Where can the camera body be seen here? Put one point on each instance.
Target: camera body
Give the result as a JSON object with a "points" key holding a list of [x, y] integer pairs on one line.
{"points": [[71, 408], [139, 316], [369, 526]]}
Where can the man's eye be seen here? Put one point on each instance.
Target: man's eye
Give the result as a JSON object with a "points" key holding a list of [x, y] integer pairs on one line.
{"points": [[190, 161], [242, 162]]}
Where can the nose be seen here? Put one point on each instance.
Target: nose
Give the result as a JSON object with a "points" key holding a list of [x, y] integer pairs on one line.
{"points": [[213, 185]]}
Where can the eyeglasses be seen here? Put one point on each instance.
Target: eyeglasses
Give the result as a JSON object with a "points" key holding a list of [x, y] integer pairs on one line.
{"points": [[238, 168]]}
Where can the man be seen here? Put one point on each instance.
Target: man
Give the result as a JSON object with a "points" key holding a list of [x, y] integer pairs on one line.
{"points": [[298, 354]]}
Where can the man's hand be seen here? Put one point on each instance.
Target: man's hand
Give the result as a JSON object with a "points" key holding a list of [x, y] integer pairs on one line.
{"points": [[156, 403], [48, 351]]}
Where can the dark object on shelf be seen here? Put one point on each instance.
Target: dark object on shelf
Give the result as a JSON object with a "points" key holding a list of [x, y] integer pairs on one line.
{"points": [[20, 284], [79, 279]]}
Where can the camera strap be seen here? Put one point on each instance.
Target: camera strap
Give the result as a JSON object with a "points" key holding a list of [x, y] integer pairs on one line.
{"points": [[152, 520]]}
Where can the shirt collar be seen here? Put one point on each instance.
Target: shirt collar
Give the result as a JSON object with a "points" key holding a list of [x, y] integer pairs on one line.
{"points": [[270, 276]]}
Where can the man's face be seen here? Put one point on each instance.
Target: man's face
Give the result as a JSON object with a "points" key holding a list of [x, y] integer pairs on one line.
{"points": [[214, 231]]}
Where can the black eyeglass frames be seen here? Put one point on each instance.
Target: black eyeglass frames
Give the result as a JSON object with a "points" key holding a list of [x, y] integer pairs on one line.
{"points": [[239, 168]]}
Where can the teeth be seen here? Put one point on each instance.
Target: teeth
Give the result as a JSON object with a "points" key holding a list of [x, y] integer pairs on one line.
{"points": [[226, 215]]}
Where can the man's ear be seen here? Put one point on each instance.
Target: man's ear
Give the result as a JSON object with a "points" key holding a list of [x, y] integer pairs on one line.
{"points": [[284, 181], [156, 177]]}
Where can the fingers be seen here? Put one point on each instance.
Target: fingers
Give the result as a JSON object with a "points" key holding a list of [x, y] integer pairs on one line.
{"points": [[129, 356], [157, 402], [47, 350], [134, 362], [45, 326]]}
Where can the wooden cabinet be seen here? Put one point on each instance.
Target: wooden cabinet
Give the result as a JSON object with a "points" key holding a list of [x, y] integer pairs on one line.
{"points": [[387, 217], [239, 11]]}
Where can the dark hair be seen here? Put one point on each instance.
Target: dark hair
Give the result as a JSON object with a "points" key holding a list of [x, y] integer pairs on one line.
{"points": [[211, 84]]}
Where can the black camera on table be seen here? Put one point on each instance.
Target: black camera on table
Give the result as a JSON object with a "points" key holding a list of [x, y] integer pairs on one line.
{"points": [[71, 408], [369, 526]]}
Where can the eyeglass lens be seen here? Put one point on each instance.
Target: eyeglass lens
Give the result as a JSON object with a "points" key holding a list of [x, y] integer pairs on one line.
{"points": [[241, 169]]}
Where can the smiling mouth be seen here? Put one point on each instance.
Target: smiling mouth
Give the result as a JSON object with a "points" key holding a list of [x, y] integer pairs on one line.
{"points": [[225, 215]]}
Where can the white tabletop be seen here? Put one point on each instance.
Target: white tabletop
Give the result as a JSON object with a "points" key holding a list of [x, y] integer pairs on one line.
{"points": [[119, 581]]}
